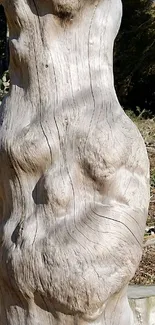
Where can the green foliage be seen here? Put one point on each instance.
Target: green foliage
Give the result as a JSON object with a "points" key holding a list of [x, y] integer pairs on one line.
{"points": [[134, 61], [4, 85]]}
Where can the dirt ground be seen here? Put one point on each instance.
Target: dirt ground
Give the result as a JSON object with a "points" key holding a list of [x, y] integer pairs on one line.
{"points": [[146, 271]]}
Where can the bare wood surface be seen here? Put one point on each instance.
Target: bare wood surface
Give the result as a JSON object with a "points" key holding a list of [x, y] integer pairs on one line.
{"points": [[74, 182]]}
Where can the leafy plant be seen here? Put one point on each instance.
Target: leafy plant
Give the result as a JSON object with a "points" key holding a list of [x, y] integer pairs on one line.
{"points": [[4, 85]]}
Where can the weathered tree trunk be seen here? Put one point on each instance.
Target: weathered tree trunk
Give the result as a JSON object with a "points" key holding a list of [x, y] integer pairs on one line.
{"points": [[74, 170]]}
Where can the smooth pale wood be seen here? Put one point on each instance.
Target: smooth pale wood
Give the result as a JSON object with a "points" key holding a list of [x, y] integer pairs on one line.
{"points": [[74, 182]]}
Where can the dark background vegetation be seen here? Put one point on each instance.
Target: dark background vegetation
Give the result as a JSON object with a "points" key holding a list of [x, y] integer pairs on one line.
{"points": [[134, 57], [134, 60]]}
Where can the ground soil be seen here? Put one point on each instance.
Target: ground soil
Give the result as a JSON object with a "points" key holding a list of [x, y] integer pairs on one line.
{"points": [[146, 271]]}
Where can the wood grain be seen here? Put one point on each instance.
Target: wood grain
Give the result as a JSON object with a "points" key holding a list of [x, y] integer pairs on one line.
{"points": [[74, 172]]}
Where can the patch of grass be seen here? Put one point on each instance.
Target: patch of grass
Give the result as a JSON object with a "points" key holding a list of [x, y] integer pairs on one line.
{"points": [[145, 126], [147, 129], [153, 177]]}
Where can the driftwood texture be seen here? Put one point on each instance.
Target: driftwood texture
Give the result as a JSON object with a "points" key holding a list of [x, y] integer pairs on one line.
{"points": [[74, 171]]}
